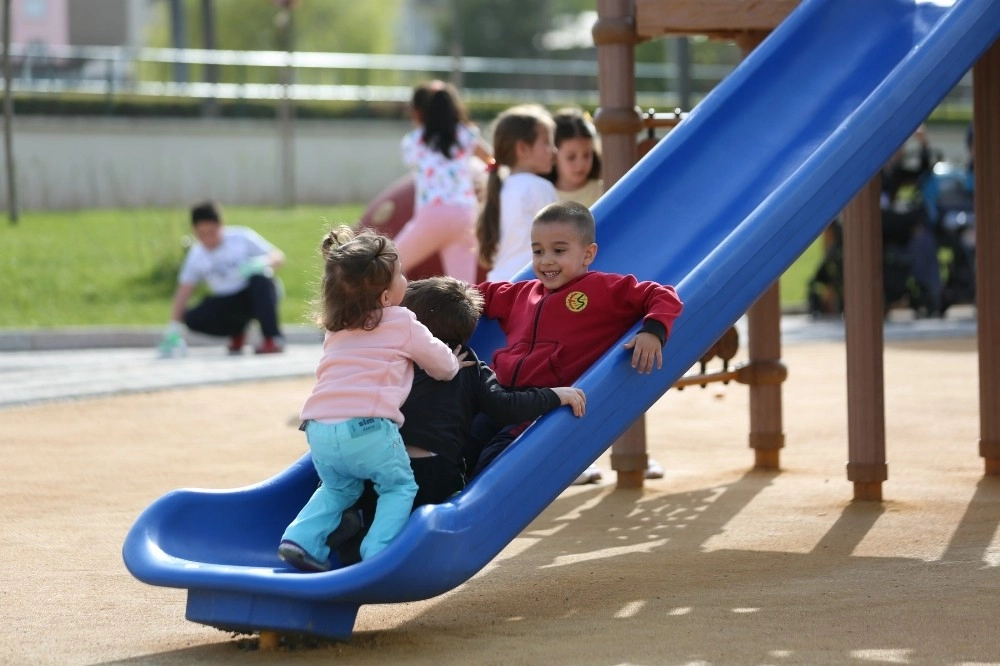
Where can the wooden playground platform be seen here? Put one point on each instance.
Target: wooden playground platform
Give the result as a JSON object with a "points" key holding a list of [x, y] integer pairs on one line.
{"points": [[621, 25]]}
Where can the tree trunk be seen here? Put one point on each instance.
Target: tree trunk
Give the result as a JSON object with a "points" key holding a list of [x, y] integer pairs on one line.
{"points": [[178, 37], [286, 109], [8, 119], [209, 107]]}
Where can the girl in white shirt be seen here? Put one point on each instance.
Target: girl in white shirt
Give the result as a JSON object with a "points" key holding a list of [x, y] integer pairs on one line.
{"points": [[352, 417], [522, 141], [438, 153]]}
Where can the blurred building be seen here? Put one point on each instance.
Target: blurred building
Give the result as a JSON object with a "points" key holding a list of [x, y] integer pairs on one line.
{"points": [[44, 23], [41, 22]]}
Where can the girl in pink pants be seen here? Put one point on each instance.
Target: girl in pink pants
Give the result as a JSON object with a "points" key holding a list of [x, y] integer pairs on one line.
{"points": [[446, 229], [438, 152]]}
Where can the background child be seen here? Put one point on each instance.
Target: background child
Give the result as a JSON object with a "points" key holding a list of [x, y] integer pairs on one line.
{"points": [[522, 141], [577, 173], [237, 265], [439, 415], [352, 417], [552, 341], [438, 153]]}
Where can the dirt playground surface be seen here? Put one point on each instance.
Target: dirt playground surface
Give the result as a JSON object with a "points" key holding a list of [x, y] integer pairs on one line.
{"points": [[714, 564]]}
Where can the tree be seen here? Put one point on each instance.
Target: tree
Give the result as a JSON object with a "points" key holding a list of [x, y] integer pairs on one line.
{"points": [[8, 118], [321, 25], [496, 28]]}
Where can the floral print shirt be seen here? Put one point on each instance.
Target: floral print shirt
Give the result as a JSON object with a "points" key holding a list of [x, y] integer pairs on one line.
{"points": [[442, 180]]}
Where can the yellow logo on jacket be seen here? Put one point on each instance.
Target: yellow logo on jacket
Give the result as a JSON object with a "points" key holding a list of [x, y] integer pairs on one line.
{"points": [[576, 301]]}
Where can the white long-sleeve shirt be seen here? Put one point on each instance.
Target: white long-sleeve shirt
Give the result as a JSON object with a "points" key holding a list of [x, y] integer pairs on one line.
{"points": [[521, 196]]}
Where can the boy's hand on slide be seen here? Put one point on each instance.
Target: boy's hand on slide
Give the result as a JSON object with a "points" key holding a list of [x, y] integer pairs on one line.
{"points": [[574, 397], [460, 355], [646, 352]]}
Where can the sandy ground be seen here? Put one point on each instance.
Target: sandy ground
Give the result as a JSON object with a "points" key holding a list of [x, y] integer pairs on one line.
{"points": [[714, 564]]}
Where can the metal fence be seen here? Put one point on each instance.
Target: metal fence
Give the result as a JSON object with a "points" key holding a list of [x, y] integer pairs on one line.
{"points": [[342, 77], [345, 77]]}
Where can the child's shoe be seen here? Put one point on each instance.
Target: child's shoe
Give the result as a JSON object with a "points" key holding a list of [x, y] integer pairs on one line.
{"points": [[296, 555], [271, 346], [172, 345], [654, 470], [592, 474], [236, 343]]}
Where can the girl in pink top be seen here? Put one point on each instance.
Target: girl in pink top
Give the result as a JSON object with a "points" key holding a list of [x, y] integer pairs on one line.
{"points": [[352, 417], [438, 152]]}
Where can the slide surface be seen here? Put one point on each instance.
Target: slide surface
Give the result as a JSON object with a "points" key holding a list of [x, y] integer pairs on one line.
{"points": [[720, 209]]}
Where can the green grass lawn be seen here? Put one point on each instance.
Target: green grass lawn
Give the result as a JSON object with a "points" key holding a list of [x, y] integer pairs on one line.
{"points": [[119, 267]]}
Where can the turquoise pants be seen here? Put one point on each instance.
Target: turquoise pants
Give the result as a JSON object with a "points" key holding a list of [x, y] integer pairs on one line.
{"points": [[345, 454]]}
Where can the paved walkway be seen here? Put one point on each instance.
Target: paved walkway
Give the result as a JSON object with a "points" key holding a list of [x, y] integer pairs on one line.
{"points": [[60, 365]]}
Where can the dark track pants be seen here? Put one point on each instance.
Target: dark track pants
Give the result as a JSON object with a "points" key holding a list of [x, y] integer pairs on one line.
{"points": [[229, 315]]}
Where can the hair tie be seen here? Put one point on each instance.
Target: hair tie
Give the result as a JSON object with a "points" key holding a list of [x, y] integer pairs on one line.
{"points": [[491, 166]]}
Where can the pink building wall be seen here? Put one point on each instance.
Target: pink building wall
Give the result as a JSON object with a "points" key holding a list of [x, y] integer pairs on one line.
{"points": [[45, 21]]}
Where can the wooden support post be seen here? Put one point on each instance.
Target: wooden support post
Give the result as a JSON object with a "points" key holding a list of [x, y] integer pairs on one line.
{"points": [[619, 121], [986, 149], [269, 641], [767, 436], [863, 314]]}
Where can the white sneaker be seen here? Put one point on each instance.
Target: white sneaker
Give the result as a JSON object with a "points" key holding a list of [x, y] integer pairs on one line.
{"points": [[592, 474], [654, 470]]}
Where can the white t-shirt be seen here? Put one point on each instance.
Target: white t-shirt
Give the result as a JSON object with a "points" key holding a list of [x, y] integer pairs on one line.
{"points": [[521, 197], [440, 180], [219, 268]]}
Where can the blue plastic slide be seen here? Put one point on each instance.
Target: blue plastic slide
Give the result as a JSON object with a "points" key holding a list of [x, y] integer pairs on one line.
{"points": [[720, 209]]}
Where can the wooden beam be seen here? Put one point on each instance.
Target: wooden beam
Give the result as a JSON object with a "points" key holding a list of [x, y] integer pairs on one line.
{"points": [[986, 142], [655, 18]]}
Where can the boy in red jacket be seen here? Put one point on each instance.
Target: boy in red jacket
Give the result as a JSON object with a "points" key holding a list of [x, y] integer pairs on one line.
{"points": [[560, 323]]}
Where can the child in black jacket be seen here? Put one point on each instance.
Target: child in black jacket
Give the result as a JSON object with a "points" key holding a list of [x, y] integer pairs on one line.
{"points": [[438, 415]]}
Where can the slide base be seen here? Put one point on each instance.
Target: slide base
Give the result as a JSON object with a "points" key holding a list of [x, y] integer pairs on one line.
{"points": [[249, 613]]}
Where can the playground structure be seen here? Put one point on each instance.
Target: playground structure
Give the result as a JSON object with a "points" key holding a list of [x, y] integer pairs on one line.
{"points": [[623, 24], [847, 103]]}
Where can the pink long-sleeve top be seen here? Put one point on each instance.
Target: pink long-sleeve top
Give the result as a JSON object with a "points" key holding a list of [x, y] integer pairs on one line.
{"points": [[369, 373]]}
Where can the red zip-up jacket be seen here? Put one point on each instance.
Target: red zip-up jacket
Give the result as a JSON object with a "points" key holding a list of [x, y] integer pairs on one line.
{"points": [[554, 336]]}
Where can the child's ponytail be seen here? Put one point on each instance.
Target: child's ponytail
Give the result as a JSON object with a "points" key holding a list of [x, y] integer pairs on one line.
{"points": [[334, 239], [442, 115], [488, 224]]}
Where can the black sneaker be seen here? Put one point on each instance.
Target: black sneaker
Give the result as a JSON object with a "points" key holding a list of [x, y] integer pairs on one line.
{"points": [[350, 524], [296, 555]]}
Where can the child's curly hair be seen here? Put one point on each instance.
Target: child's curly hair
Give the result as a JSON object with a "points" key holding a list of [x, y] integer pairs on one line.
{"points": [[357, 269]]}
